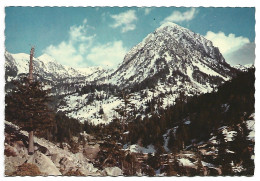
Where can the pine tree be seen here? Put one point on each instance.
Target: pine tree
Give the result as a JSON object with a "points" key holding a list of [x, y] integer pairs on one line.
{"points": [[27, 106]]}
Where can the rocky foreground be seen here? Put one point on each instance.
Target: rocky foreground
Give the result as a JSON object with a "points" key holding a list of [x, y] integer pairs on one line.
{"points": [[48, 158]]}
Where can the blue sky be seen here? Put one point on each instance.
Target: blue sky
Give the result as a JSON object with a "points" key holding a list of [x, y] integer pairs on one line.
{"points": [[91, 36]]}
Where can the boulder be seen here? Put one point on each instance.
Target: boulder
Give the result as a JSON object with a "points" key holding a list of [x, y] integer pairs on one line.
{"points": [[44, 163], [113, 171], [88, 169], [67, 164], [19, 144], [81, 157]]}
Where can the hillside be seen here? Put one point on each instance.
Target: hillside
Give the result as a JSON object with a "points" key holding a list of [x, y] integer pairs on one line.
{"points": [[214, 129]]}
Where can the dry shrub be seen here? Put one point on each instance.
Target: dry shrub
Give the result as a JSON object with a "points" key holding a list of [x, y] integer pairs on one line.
{"points": [[74, 173], [27, 169]]}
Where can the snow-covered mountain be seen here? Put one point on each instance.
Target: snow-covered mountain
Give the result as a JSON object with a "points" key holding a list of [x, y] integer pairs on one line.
{"points": [[174, 54], [47, 67], [169, 61], [61, 78]]}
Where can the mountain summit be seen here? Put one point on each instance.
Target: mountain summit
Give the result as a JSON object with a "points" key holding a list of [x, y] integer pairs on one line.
{"points": [[173, 54]]}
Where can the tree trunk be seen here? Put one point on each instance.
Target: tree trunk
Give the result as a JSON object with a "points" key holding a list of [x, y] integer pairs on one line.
{"points": [[31, 144]]}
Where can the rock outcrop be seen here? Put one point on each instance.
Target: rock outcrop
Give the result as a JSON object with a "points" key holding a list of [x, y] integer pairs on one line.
{"points": [[45, 164], [48, 157]]}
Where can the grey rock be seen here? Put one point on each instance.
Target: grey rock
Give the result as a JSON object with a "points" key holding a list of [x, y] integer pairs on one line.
{"points": [[44, 163], [113, 171]]}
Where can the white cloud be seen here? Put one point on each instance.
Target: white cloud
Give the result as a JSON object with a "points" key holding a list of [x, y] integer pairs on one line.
{"points": [[71, 52], [83, 47], [65, 53], [178, 16], [80, 49], [226, 43], [125, 20], [129, 27], [230, 46], [79, 33], [109, 54]]}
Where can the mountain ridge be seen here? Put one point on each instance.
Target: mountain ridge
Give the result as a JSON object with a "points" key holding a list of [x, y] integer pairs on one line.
{"points": [[169, 61]]}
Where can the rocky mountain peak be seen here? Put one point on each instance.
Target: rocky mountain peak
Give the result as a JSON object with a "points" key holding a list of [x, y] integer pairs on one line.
{"points": [[170, 49], [170, 25]]}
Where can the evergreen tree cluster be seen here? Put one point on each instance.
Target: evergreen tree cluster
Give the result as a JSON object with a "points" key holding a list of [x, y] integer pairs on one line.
{"points": [[196, 118]]}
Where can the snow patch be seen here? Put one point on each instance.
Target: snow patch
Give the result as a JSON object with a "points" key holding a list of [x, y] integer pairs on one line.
{"points": [[229, 135], [186, 162], [138, 149]]}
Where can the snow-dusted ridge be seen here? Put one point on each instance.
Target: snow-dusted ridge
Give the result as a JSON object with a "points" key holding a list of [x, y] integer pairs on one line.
{"points": [[243, 68], [47, 67]]}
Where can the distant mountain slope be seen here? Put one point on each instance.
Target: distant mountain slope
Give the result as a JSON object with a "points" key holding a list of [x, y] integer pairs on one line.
{"points": [[46, 67], [61, 78]]}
